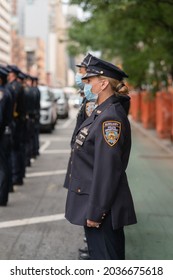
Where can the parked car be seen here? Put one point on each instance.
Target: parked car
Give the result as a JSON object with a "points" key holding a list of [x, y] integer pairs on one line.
{"points": [[75, 100], [48, 110], [69, 91], [62, 102]]}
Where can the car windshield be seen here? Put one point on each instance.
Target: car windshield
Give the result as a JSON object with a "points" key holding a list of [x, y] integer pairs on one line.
{"points": [[58, 93], [45, 95]]}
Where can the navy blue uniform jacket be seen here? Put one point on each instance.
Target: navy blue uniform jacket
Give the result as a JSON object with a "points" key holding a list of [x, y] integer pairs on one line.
{"points": [[81, 117], [98, 181]]}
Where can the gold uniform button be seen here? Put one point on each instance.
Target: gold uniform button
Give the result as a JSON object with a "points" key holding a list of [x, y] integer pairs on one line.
{"points": [[79, 190]]}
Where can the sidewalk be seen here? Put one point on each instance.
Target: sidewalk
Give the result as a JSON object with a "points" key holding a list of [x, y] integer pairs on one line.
{"points": [[164, 144]]}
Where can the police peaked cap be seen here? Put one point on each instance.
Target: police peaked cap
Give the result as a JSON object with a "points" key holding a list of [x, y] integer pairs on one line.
{"points": [[13, 68], [4, 70], [22, 75], [85, 61], [34, 78], [28, 77], [3, 73], [99, 67]]}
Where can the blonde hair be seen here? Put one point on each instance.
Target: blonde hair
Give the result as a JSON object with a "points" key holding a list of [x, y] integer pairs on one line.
{"points": [[118, 87]]}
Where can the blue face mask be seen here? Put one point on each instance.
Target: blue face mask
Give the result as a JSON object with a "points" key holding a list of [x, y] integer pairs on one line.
{"points": [[78, 80], [88, 93]]}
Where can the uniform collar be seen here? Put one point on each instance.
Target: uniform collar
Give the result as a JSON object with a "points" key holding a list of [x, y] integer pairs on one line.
{"points": [[111, 100], [98, 110]]}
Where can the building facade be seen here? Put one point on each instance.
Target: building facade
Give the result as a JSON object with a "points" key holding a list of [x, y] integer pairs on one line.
{"points": [[35, 58], [44, 19], [5, 32], [28, 49], [58, 57]]}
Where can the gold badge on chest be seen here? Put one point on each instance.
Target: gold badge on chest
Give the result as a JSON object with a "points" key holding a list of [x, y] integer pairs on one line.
{"points": [[89, 108]]}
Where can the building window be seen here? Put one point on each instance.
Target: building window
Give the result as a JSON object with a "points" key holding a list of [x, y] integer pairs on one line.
{"points": [[30, 59]]}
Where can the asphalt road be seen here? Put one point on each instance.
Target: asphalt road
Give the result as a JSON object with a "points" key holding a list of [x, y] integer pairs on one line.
{"points": [[32, 226]]}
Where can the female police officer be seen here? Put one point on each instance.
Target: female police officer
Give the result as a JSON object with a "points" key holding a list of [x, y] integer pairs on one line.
{"points": [[99, 197]]}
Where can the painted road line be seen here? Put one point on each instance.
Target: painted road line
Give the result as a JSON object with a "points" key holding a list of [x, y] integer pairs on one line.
{"points": [[47, 152], [66, 124], [31, 221], [44, 146], [54, 139], [46, 173]]}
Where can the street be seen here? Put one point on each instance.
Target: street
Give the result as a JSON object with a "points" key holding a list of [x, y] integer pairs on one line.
{"points": [[32, 226]]}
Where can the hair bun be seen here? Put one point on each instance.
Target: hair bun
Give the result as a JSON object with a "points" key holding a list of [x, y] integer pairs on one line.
{"points": [[122, 88]]}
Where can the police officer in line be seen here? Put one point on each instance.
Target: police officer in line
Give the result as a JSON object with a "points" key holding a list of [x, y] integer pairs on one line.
{"points": [[88, 102], [21, 79], [5, 138], [36, 93], [98, 196], [32, 116], [30, 119], [85, 111], [17, 93], [18, 108]]}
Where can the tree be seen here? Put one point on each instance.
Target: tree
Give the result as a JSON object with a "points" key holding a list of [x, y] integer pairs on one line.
{"points": [[139, 32]]}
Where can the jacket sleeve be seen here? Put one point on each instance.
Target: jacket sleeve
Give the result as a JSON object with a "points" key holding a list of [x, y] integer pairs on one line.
{"points": [[107, 171]]}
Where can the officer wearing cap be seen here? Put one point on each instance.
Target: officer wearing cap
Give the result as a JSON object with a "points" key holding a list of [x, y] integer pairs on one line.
{"points": [[88, 102], [21, 78], [98, 196], [17, 93], [5, 138], [36, 94], [30, 120], [85, 111]]}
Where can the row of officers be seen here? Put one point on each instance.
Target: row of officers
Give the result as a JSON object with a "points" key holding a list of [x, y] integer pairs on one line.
{"points": [[19, 127]]}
